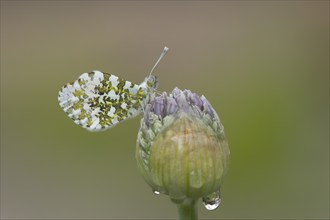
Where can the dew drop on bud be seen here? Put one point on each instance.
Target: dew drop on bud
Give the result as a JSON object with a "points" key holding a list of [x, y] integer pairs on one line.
{"points": [[212, 201], [156, 192]]}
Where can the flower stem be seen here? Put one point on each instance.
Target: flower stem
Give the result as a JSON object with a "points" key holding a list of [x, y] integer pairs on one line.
{"points": [[188, 210]]}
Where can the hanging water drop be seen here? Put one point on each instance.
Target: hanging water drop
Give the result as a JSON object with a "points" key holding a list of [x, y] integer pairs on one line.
{"points": [[156, 192], [212, 201]]}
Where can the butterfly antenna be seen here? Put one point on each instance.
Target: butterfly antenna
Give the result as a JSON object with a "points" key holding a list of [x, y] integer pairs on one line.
{"points": [[159, 59]]}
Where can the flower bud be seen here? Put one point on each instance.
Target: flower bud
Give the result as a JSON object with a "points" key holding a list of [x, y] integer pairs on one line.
{"points": [[182, 150]]}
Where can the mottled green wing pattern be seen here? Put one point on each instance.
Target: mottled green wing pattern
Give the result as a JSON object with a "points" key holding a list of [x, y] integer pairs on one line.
{"points": [[97, 100]]}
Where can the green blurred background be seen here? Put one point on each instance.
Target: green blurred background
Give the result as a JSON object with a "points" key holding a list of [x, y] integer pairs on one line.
{"points": [[263, 66]]}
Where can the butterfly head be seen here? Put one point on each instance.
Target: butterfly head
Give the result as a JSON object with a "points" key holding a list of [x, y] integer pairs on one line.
{"points": [[150, 83]]}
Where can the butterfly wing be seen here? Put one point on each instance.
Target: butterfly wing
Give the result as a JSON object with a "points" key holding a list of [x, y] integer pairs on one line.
{"points": [[97, 100]]}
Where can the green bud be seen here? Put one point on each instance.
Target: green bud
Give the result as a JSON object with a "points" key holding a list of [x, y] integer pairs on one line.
{"points": [[182, 150]]}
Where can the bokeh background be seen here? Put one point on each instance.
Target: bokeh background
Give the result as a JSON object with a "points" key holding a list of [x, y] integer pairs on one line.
{"points": [[264, 66]]}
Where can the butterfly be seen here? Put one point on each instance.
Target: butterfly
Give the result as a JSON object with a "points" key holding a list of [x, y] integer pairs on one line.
{"points": [[98, 100]]}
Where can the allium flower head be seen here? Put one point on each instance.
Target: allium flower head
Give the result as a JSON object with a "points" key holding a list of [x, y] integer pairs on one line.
{"points": [[182, 150]]}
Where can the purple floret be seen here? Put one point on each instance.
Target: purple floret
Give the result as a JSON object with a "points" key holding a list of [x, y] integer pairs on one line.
{"points": [[195, 100], [171, 106], [159, 105]]}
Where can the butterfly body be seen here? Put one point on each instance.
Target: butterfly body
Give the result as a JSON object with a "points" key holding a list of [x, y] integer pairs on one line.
{"points": [[98, 100]]}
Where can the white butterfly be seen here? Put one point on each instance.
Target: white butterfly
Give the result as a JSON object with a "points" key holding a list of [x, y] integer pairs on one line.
{"points": [[98, 100]]}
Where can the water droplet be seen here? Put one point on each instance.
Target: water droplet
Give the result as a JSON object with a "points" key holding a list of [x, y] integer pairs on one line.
{"points": [[212, 201], [156, 192]]}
